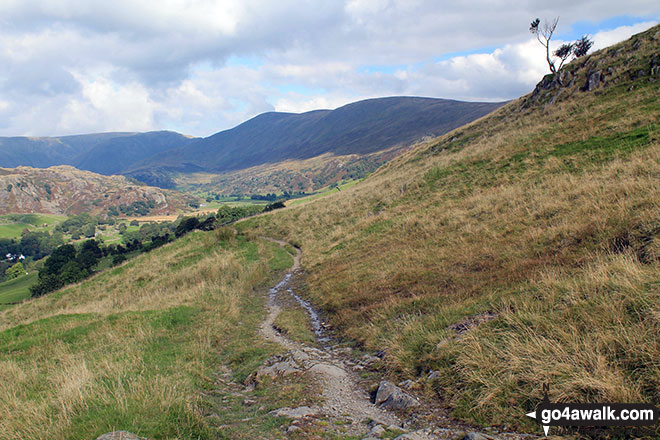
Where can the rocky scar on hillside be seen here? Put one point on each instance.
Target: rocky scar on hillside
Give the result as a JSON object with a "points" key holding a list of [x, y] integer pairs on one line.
{"points": [[66, 190], [635, 59]]}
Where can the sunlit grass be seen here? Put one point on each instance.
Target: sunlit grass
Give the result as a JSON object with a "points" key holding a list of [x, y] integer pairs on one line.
{"points": [[545, 215], [135, 347]]}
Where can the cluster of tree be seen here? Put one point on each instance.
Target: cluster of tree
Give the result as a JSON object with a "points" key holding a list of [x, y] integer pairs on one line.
{"points": [[147, 231], [268, 197], [275, 205], [187, 224], [36, 244], [139, 207], [229, 214], [81, 225], [77, 222], [67, 265], [213, 196], [286, 194], [14, 271]]}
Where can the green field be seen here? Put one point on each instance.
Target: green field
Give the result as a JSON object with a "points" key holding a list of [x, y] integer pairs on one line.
{"points": [[112, 235], [16, 290], [322, 193], [229, 201], [11, 225]]}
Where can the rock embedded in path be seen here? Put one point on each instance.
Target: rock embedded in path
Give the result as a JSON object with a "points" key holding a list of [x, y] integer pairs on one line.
{"points": [[295, 413], [328, 370], [393, 397], [278, 369]]}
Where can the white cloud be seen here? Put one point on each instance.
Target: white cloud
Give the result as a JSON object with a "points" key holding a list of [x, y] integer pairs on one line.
{"points": [[299, 103], [71, 66], [607, 38], [125, 107]]}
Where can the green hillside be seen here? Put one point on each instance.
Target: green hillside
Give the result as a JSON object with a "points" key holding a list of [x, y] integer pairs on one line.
{"points": [[521, 249], [154, 346], [16, 290], [12, 225]]}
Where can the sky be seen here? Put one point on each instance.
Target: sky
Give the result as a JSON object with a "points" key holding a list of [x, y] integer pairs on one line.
{"points": [[202, 66]]}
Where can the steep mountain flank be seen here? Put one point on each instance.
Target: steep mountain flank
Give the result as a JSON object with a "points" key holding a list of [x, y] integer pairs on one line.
{"points": [[360, 128], [117, 155], [521, 249], [66, 190]]}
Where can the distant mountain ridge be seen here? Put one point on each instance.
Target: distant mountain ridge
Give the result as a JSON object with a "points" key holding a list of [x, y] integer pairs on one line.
{"points": [[361, 128], [104, 153]]}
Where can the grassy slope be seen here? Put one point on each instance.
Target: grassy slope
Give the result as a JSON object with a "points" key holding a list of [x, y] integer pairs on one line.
{"points": [[18, 289], [139, 347], [544, 214], [11, 225]]}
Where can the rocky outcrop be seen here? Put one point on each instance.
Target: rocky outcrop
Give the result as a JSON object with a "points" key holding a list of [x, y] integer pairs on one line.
{"points": [[593, 81], [655, 65], [392, 397], [634, 61], [67, 190]]}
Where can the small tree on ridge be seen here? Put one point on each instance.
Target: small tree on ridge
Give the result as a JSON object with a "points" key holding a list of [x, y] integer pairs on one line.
{"points": [[544, 31]]}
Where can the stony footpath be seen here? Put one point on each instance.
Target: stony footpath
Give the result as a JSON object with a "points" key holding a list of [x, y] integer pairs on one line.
{"points": [[391, 412], [344, 408]]}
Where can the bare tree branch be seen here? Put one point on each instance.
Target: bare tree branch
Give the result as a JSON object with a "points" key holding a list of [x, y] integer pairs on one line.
{"points": [[544, 31]]}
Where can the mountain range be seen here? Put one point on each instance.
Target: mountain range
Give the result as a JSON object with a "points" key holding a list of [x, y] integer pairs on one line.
{"points": [[361, 128], [103, 153]]}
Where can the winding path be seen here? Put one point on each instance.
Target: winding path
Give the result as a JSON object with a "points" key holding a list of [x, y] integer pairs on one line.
{"points": [[342, 397]]}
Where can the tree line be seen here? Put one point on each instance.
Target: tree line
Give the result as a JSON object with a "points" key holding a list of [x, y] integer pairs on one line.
{"points": [[70, 263]]}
